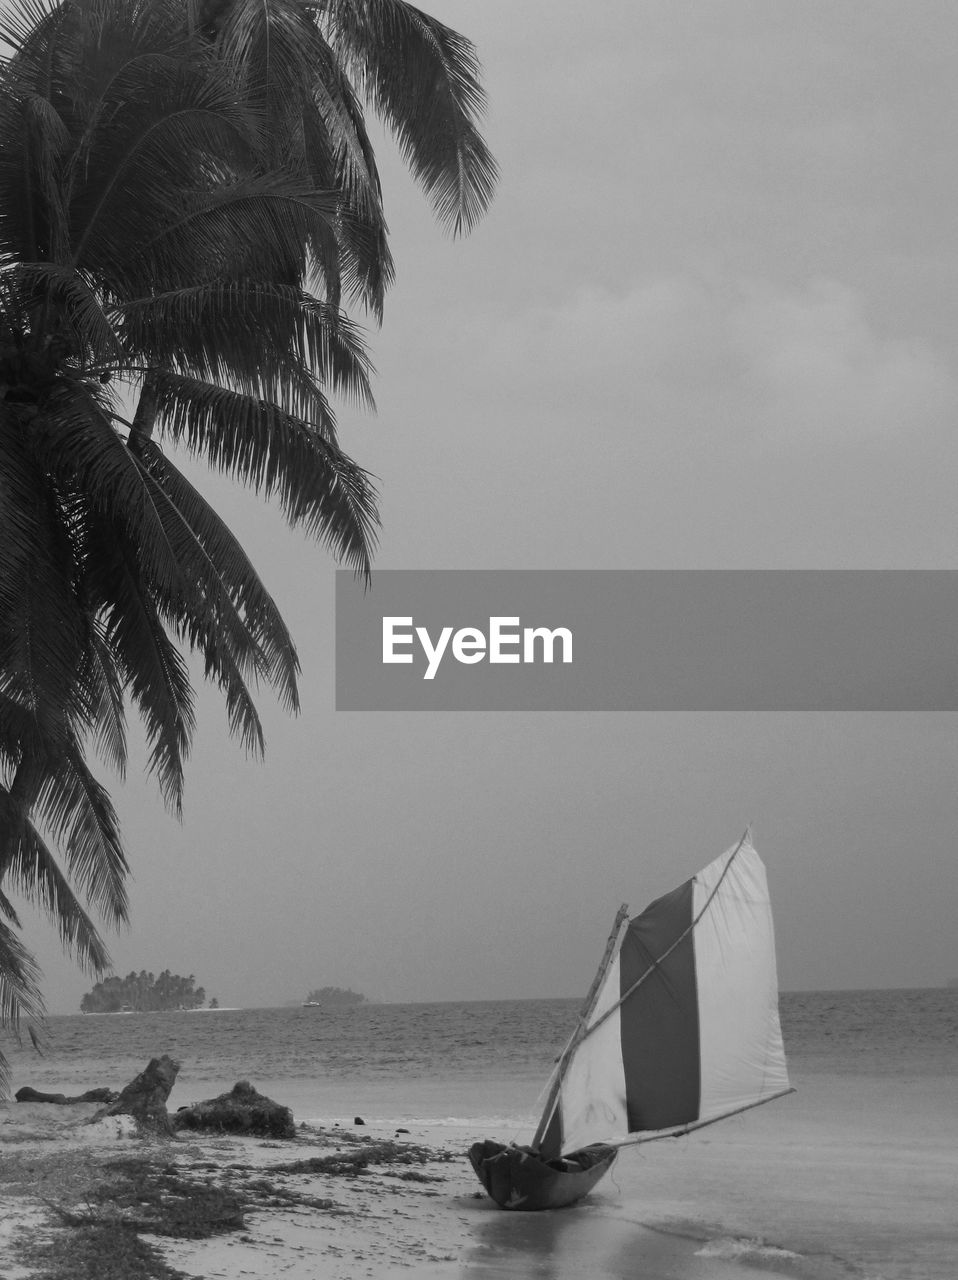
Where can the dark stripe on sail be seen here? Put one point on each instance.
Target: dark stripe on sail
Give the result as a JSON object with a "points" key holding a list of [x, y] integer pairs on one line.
{"points": [[659, 1021]]}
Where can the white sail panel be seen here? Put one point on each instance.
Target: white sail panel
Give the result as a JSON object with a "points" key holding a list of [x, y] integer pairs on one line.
{"points": [[592, 1100], [740, 1038]]}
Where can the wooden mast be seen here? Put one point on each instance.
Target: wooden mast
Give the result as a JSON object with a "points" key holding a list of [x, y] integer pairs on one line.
{"points": [[581, 1028]]}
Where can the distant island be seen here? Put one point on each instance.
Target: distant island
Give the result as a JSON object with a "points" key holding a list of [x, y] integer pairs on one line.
{"points": [[143, 993], [334, 996]]}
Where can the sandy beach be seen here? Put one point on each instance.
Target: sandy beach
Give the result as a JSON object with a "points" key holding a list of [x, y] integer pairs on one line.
{"points": [[391, 1202], [848, 1178]]}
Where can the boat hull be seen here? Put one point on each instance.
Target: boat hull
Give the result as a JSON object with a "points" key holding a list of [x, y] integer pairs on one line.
{"points": [[518, 1178]]}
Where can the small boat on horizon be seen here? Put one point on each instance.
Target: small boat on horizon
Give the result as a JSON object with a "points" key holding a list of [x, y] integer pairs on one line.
{"points": [[680, 1029]]}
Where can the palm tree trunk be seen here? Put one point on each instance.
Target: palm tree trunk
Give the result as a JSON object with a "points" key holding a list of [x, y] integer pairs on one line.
{"points": [[144, 419]]}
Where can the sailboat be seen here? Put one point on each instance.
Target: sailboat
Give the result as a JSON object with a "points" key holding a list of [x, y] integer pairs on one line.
{"points": [[680, 1029]]}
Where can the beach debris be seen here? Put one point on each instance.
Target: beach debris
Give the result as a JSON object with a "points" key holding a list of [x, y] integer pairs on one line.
{"points": [[26, 1094], [242, 1110], [145, 1097], [368, 1153]]}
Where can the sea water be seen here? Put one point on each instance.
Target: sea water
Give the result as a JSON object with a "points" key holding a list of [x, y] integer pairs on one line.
{"points": [[855, 1175], [478, 1065]]}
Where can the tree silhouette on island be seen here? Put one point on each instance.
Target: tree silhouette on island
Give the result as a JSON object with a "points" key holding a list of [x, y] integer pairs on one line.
{"points": [[143, 993], [338, 996]]}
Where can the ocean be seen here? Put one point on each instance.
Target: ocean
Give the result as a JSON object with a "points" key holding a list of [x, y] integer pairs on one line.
{"points": [[853, 1176]]}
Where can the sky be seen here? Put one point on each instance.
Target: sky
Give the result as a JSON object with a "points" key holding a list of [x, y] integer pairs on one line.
{"points": [[709, 322]]}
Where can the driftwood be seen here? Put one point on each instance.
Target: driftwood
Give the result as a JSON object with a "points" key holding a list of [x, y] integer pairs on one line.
{"points": [[242, 1110], [26, 1094], [145, 1097]]}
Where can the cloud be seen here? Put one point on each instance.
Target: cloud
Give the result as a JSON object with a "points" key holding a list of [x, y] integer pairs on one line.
{"points": [[816, 368], [778, 365]]}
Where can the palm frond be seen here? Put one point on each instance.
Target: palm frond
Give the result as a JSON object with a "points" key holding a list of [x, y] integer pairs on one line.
{"points": [[285, 68], [28, 21], [151, 666], [189, 594], [272, 226], [142, 183], [203, 612], [269, 47], [235, 572], [18, 534], [49, 780], [34, 871], [40, 199], [200, 600], [76, 443], [81, 818], [79, 306], [423, 79], [8, 911], [338, 154], [318, 487], [19, 991], [118, 118], [109, 718], [19, 984], [241, 713], [136, 52], [42, 628], [252, 332]]}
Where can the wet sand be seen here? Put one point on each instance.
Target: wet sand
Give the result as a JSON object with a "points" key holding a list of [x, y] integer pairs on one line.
{"points": [[849, 1177]]}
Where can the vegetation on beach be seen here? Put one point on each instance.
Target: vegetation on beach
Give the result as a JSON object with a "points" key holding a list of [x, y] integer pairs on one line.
{"points": [[189, 204], [107, 1214], [99, 1251], [144, 993]]}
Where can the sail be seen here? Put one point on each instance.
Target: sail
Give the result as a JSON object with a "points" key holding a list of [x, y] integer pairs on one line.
{"points": [[685, 1026]]}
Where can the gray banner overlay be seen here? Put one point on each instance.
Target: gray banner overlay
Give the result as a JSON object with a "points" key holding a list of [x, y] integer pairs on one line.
{"points": [[647, 640]]}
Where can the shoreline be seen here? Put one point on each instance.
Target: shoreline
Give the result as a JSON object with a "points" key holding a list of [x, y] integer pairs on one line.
{"points": [[330, 1204]]}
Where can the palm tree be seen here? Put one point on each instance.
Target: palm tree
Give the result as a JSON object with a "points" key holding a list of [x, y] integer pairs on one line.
{"points": [[178, 232], [141, 236]]}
